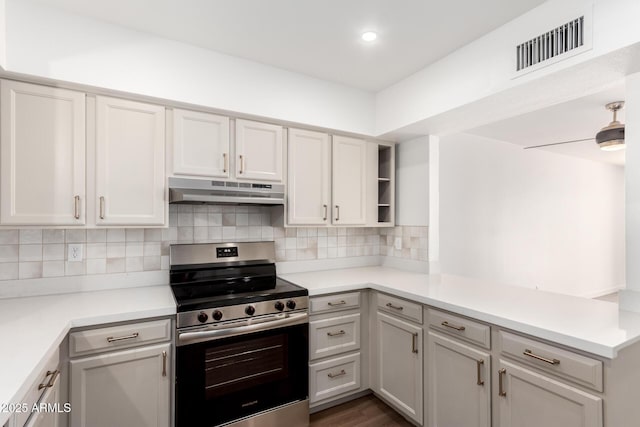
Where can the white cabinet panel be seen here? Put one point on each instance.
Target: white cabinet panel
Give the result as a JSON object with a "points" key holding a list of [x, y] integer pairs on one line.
{"points": [[459, 384], [334, 377], [200, 144], [130, 178], [335, 335], [534, 400], [399, 348], [309, 177], [130, 388], [42, 155], [259, 151], [349, 181]]}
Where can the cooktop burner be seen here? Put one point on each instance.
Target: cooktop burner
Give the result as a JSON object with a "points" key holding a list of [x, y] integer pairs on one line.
{"points": [[218, 282]]}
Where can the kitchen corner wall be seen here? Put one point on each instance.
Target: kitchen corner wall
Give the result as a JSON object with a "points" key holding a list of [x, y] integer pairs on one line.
{"points": [[41, 253]]}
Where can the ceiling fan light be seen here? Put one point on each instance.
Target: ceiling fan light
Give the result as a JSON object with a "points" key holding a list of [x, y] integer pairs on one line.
{"points": [[611, 138]]}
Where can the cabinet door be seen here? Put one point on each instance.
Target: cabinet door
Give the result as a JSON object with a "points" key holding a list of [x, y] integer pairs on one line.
{"points": [[130, 388], [309, 177], [534, 400], [42, 155], [48, 418], [459, 384], [258, 151], [200, 144], [399, 348], [349, 181], [130, 181]]}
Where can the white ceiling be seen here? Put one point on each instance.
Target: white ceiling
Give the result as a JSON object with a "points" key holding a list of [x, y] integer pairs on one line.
{"points": [[319, 39], [577, 119]]}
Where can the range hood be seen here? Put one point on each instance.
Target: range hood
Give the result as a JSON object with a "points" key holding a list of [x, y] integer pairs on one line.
{"points": [[197, 191]]}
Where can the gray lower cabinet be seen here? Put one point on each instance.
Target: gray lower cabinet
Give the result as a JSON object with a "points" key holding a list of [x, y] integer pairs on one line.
{"points": [[459, 384], [126, 388], [399, 364], [46, 418], [530, 399]]}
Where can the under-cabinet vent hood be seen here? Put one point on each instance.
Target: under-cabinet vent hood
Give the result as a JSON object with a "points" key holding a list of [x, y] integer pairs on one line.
{"points": [[196, 191]]}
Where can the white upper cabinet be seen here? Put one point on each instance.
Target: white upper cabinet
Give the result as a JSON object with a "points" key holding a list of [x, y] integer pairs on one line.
{"points": [[309, 176], [42, 155], [200, 144], [259, 151], [130, 178], [349, 181]]}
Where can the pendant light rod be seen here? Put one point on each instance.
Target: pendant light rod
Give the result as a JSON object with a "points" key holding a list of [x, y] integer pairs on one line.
{"points": [[558, 143]]}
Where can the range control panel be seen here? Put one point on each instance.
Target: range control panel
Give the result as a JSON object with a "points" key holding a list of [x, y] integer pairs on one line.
{"points": [[227, 252]]}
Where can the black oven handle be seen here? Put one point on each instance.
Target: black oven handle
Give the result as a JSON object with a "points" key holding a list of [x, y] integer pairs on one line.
{"points": [[186, 338]]}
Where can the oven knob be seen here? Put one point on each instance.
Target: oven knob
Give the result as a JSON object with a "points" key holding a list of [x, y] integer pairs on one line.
{"points": [[279, 306], [202, 317], [291, 304], [250, 310], [217, 315]]}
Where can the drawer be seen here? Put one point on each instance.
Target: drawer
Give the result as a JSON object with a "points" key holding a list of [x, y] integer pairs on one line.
{"points": [[333, 336], [400, 307], [117, 337], [334, 302], [46, 379], [466, 329], [563, 363], [334, 377]]}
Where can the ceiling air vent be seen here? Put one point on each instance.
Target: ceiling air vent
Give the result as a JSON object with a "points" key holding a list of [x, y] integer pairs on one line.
{"points": [[561, 40]]}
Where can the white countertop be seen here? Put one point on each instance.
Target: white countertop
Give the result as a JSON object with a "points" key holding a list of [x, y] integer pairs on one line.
{"points": [[32, 328], [597, 327]]}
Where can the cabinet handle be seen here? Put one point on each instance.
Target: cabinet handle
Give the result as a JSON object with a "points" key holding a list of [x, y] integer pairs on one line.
{"points": [[334, 304], [336, 334], [479, 364], [337, 213], [76, 207], [501, 391], [241, 164], [324, 217], [226, 163], [414, 343], [52, 379], [101, 207], [126, 337], [164, 363], [457, 328], [339, 374], [395, 307], [528, 352]]}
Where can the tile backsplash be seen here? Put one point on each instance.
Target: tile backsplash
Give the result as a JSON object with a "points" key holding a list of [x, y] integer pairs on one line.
{"points": [[35, 253]]}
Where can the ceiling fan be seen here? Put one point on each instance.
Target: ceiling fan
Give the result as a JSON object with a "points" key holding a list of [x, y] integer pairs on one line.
{"points": [[610, 137]]}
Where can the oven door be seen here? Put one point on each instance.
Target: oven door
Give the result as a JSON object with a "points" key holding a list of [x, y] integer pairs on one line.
{"points": [[226, 378]]}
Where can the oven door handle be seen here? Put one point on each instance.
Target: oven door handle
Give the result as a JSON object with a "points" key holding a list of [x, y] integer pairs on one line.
{"points": [[185, 338]]}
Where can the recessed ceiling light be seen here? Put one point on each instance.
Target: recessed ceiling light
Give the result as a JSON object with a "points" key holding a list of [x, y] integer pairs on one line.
{"points": [[369, 36]]}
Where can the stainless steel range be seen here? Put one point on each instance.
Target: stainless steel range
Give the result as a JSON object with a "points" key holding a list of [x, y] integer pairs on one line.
{"points": [[242, 338]]}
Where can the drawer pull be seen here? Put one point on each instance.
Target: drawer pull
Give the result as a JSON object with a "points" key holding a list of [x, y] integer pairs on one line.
{"points": [[339, 374], [501, 391], [324, 217], [52, 379], [126, 337], [101, 207], [414, 343], [528, 352], [334, 304], [457, 328], [395, 307], [479, 364], [337, 213], [226, 164], [241, 164], [336, 334], [164, 363]]}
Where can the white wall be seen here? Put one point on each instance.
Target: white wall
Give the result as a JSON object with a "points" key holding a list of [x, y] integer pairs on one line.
{"points": [[529, 217], [485, 67], [47, 42], [412, 182]]}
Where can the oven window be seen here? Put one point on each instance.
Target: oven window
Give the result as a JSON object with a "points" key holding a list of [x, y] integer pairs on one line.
{"points": [[237, 366], [223, 380]]}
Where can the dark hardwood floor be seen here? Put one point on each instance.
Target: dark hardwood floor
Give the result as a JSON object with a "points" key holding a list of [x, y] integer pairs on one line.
{"points": [[367, 411]]}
